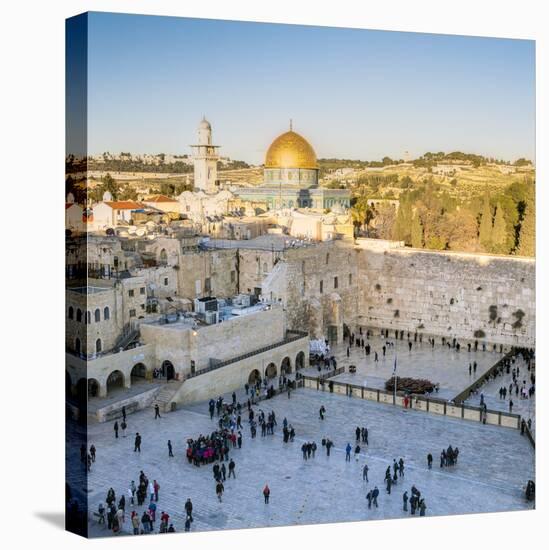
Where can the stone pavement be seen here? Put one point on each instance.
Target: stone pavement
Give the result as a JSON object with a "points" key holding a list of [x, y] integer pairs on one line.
{"points": [[447, 367], [525, 407], [494, 465]]}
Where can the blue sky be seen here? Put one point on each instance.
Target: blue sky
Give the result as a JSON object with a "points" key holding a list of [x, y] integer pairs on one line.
{"points": [[352, 93]]}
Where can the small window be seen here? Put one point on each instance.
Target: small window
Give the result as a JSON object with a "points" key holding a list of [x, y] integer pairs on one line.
{"points": [[71, 312], [132, 312], [327, 258], [350, 279], [142, 290], [106, 313], [207, 284], [98, 345], [97, 315], [321, 287], [142, 306], [336, 282], [79, 315], [130, 293], [166, 281]]}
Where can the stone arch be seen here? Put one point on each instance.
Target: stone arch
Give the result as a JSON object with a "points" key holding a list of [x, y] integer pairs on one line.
{"points": [[138, 372], [300, 360], [92, 387], [168, 370], [254, 377], [270, 371], [286, 366], [115, 380]]}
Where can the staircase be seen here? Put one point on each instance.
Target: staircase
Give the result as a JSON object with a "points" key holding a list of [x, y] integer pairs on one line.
{"points": [[166, 394], [126, 339]]}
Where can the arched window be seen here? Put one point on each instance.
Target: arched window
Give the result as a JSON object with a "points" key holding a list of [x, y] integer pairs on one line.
{"points": [[77, 345], [88, 317], [106, 313], [98, 345], [97, 315], [79, 315], [71, 312]]}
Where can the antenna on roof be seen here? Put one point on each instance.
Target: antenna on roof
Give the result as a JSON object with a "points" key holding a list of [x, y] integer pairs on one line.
{"points": [[291, 125]]}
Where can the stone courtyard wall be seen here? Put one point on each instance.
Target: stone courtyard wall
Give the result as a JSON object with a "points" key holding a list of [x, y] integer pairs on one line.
{"points": [[467, 296]]}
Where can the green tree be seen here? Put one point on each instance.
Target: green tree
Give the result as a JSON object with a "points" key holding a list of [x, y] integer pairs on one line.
{"points": [[416, 232], [485, 229], [527, 235], [403, 222], [499, 233]]}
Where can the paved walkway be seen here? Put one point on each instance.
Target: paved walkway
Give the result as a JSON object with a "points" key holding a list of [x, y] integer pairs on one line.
{"points": [[447, 367], [494, 465], [525, 407]]}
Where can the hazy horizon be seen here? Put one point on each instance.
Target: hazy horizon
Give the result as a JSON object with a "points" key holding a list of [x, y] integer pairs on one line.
{"points": [[353, 94]]}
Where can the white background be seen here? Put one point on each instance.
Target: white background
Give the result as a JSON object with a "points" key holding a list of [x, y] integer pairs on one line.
{"points": [[32, 268]]}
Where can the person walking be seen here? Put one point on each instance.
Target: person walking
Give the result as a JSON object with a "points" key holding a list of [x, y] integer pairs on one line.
{"points": [[92, 452], [156, 411], [405, 501], [189, 509], [137, 444], [219, 490], [348, 450], [365, 473], [266, 493], [375, 494], [429, 461], [170, 450], [135, 523], [231, 468], [116, 429], [123, 425], [123, 413]]}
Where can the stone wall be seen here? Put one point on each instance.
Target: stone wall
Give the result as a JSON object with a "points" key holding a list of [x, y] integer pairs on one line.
{"points": [[467, 296]]}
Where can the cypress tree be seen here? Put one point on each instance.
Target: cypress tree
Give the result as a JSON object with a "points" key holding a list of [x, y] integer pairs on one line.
{"points": [[499, 233], [417, 232], [527, 235], [485, 230]]}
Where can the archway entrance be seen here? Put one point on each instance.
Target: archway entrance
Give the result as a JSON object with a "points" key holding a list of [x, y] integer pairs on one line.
{"points": [[286, 366], [270, 371], [93, 386], [139, 373], [115, 380], [254, 377], [168, 370], [300, 360]]}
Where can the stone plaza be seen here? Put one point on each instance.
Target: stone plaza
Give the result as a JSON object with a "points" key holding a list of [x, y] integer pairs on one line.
{"points": [[494, 465]]}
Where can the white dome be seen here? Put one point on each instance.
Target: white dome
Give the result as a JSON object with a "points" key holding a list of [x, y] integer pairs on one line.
{"points": [[204, 124]]}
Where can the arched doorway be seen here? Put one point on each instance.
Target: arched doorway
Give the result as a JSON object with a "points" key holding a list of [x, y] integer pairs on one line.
{"points": [[270, 371], [163, 258], [92, 386], [254, 377], [168, 370], [138, 373], [115, 380], [286, 366], [300, 360]]}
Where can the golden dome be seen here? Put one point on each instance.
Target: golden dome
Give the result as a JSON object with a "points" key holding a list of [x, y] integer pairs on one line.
{"points": [[290, 150]]}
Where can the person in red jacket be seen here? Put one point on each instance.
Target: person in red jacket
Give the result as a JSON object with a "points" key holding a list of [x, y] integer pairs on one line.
{"points": [[266, 493]]}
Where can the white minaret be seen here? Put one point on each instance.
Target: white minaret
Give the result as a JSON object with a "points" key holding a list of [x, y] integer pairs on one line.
{"points": [[205, 159]]}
